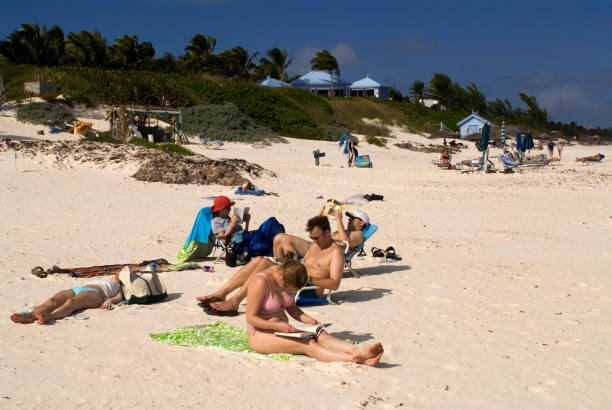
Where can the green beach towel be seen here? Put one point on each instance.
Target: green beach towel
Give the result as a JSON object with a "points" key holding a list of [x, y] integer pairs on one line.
{"points": [[218, 335]]}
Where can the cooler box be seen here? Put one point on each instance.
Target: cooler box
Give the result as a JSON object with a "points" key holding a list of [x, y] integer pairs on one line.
{"points": [[363, 161]]}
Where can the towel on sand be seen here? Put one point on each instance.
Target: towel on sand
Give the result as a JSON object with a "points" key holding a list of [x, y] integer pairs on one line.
{"points": [[218, 335]]}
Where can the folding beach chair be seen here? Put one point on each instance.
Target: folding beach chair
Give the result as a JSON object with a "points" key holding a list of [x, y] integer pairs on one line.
{"points": [[368, 231], [591, 161]]}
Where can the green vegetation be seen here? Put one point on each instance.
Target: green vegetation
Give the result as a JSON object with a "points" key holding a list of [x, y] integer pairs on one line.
{"points": [[178, 149], [224, 122], [89, 69], [44, 113], [379, 142]]}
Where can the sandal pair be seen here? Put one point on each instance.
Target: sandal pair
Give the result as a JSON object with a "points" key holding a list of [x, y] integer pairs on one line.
{"points": [[390, 254], [378, 253]]}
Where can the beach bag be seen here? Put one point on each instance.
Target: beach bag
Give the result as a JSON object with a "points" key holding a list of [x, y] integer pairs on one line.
{"points": [[261, 241], [141, 287], [363, 161]]}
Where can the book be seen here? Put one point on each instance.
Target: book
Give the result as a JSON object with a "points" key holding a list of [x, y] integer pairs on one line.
{"points": [[332, 206], [304, 330], [241, 212]]}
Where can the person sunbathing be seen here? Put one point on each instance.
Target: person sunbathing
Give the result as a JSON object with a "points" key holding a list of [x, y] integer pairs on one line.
{"points": [[445, 157], [324, 262], [96, 293], [596, 157], [271, 297]]}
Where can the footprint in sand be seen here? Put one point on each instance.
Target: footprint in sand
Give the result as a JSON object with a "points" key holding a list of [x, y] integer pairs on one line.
{"points": [[216, 280], [439, 300], [541, 387], [567, 342]]}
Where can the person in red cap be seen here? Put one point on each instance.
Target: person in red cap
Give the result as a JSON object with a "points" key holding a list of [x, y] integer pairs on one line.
{"points": [[224, 226]]}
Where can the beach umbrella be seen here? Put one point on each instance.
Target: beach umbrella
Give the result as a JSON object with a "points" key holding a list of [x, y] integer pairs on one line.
{"points": [[528, 142], [518, 141], [502, 142], [484, 139]]}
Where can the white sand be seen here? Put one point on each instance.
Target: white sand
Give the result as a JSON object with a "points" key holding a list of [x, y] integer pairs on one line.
{"points": [[502, 299]]}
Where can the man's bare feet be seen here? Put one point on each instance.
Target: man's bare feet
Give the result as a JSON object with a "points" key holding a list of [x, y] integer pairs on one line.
{"points": [[225, 306], [368, 355], [210, 298], [41, 318], [23, 318]]}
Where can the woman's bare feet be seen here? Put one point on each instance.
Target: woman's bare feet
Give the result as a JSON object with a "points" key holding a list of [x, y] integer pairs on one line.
{"points": [[23, 318], [368, 355], [229, 305], [42, 318]]}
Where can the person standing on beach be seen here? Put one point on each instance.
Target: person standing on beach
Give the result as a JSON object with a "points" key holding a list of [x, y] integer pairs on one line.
{"points": [[560, 148], [551, 148]]}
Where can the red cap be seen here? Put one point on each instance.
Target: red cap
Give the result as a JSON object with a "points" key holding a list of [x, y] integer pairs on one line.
{"points": [[221, 202]]}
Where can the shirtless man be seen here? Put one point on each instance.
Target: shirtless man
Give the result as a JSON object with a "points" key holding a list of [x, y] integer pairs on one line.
{"points": [[324, 261]]}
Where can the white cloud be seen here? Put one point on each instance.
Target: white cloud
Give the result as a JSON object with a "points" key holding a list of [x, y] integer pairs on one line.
{"points": [[345, 55], [301, 61]]}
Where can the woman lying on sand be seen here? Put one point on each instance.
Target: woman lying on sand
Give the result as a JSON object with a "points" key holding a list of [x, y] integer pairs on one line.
{"points": [[270, 293], [596, 157], [97, 293]]}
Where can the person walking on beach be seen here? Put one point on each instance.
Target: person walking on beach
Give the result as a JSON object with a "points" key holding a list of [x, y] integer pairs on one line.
{"points": [[96, 293], [270, 297], [560, 148], [551, 148]]}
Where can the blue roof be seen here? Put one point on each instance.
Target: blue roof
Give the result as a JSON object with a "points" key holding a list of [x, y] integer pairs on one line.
{"points": [[474, 115], [273, 82], [368, 82], [317, 79]]}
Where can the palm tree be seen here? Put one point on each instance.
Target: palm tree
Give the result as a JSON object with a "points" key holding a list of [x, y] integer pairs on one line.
{"points": [[418, 91], [325, 61], [277, 64], [199, 49], [33, 44], [441, 88], [86, 49]]}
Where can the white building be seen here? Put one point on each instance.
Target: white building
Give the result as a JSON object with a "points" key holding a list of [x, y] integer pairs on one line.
{"points": [[368, 87]]}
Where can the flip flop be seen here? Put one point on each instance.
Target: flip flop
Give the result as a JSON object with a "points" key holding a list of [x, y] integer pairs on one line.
{"points": [[361, 253], [390, 254], [378, 253]]}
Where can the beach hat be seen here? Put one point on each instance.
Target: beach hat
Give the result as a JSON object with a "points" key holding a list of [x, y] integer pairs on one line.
{"points": [[358, 214], [221, 202]]}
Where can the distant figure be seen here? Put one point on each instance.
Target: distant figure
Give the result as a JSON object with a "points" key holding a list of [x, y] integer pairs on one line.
{"points": [[596, 157], [560, 148], [96, 293], [551, 148]]}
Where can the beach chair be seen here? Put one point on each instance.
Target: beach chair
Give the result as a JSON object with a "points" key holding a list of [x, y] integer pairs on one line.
{"points": [[368, 231]]}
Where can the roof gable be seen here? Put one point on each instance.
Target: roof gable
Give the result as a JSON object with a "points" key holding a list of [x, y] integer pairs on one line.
{"points": [[474, 116], [368, 82], [317, 78]]}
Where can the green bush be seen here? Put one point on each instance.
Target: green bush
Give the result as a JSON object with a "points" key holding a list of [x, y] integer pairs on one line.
{"points": [[44, 113], [379, 142], [178, 149], [224, 122]]}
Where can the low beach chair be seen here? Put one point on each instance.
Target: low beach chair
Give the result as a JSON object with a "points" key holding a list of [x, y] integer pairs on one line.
{"points": [[368, 231], [591, 161]]}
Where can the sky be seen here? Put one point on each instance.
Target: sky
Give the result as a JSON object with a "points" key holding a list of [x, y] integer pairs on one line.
{"points": [[559, 51]]}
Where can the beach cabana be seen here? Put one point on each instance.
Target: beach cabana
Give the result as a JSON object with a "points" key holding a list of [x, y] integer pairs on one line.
{"points": [[317, 82], [368, 87], [273, 82], [472, 124]]}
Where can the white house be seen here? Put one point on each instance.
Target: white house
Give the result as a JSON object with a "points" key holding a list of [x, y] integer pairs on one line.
{"points": [[273, 82], [368, 87], [318, 82], [472, 124]]}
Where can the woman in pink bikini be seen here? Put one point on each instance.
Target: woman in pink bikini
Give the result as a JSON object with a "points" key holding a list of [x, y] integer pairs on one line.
{"points": [[96, 293], [270, 294]]}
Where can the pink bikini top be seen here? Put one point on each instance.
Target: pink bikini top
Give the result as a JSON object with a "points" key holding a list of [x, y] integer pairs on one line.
{"points": [[271, 304]]}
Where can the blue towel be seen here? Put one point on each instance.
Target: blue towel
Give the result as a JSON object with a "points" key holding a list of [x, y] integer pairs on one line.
{"points": [[257, 192], [200, 231]]}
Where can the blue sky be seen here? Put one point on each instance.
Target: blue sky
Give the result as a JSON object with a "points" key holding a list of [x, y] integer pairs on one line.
{"points": [[560, 51]]}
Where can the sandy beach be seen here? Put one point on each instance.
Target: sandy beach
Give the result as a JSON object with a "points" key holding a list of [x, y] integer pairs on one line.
{"points": [[502, 298]]}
